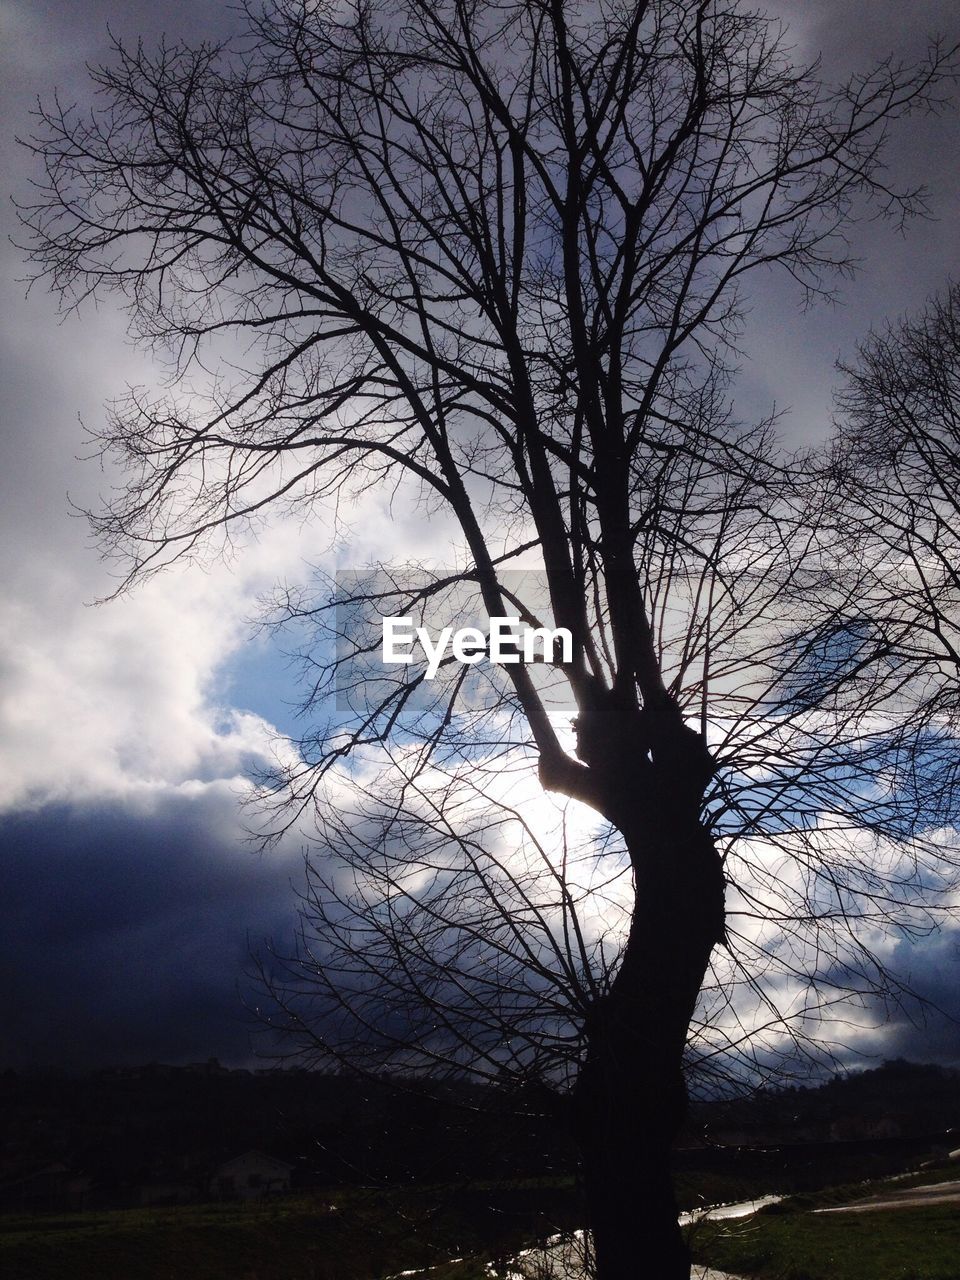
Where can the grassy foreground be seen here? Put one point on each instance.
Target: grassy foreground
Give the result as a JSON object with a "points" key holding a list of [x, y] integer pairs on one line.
{"points": [[899, 1244], [351, 1237], [359, 1235]]}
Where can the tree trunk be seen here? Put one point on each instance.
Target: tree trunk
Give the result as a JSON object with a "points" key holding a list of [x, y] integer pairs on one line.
{"points": [[630, 1098]]}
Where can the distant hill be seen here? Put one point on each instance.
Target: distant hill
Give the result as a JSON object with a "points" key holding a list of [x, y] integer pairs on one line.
{"points": [[142, 1135], [157, 1133], [897, 1099]]}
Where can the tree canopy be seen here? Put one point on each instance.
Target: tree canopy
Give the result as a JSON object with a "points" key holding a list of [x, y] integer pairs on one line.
{"points": [[492, 259]]}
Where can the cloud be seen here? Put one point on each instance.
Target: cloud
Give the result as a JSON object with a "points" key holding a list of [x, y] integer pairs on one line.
{"points": [[127, 731], [100, 701], [127, 928], [790, 354], [858, 963], [926, 1030]]}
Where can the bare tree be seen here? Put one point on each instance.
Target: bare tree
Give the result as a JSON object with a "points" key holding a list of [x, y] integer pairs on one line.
{"points": [[882, 645], [493, 255], [896, 482], [875, 662]]}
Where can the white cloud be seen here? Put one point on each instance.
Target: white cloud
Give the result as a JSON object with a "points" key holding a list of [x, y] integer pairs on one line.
{"points": [[99, 701]]}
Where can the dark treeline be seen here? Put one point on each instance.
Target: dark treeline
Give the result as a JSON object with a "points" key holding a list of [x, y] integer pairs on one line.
{"points": [[156, 1133], [152, 1134]]}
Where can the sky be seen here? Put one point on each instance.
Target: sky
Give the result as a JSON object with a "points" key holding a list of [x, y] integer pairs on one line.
{"points": [[128, 730]]}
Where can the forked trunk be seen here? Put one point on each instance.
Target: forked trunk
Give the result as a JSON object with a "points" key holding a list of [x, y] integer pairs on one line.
{"points": [[630, 1098]]}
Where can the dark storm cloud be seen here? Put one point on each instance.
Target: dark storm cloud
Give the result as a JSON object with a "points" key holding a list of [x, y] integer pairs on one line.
{"points": [[124, 934], [790, 353], [54, 373], [919, 1019], [927, 1030], [123, 929]]}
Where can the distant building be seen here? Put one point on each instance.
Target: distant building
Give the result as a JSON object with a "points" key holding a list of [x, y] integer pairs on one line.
{"points": [[251, 1176]]}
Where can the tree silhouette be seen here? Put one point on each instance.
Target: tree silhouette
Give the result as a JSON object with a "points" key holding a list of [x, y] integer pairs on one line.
{"points": [[490, 258], [896, 484]]}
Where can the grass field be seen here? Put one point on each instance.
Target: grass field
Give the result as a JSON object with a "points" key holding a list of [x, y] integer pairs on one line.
{"points": [[279, 1240], [789, 1242], [902, 1244], [363, 1235], [354, 1235]]}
